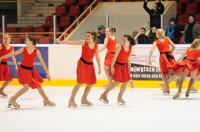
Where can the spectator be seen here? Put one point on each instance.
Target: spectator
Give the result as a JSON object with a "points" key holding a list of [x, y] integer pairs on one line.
{"points": [[188, 31], [173, 31], [142, 38], [196, 31], [102, 35], [152, 35], [155, 13]]}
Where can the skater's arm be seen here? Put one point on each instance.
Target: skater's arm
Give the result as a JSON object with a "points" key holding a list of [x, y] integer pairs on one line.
{"points": [[69, 42], [43, 64], [129, 61], [172, 44], [98, 60], [0, 46], [12, 54], [151, 53], [14, 60], [183, 55], [104, 45], [115, 58]]}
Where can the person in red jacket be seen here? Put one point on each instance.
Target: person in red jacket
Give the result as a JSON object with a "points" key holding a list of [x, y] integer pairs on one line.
{"points": [[5, 74], [189, 66], [109, 44], [85, 68], [120, 69], [28, 76], [167, 60]]}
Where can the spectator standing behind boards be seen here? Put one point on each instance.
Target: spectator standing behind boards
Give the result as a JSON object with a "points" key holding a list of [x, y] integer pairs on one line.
{"points": [[155, 13], [188, 31], [152, 35], [142, 38], [196, 31], [102, 34], [172, 31]]}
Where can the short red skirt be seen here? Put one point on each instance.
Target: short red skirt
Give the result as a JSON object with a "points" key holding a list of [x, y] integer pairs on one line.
{"points": [[190, 65], [122, 73], [85, 73], [30, 77], [5, 74], [166, 64], [199, 68], [108, 59]]}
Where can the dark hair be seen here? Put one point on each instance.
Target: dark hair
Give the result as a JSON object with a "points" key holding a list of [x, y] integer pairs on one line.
{"points": [[143, 29], [100, 27], [130, 39], [94, 35], [34, 40], [112, 29], [173, 19]]}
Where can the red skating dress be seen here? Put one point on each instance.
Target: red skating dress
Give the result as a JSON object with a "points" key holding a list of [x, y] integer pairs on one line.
{"points": [[191, 62], [5, 74], [122, 73], [26, 73], [85, 68], [199, 68], [111, 47], [167, 59]]}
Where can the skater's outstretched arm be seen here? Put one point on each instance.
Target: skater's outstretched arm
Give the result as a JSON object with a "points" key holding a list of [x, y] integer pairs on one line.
{"points": [[172, 44], [98, 60], [115, 58], [12, 54], [43, 64], [151, 53], [69, 42], [14, 60], [104, 45]]}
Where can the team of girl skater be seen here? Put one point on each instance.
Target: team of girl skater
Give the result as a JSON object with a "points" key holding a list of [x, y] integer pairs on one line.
{"points": [[116, 66]]}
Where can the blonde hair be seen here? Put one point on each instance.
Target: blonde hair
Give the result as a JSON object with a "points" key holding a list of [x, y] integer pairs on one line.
{"points": [[160, 33], [195, 44]]}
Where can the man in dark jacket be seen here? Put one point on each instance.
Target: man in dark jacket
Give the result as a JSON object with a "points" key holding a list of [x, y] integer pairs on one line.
{"points": [[155, 13], [189, 30]]}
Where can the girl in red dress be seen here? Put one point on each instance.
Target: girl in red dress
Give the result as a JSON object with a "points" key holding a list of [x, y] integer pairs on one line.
{"points": [[165, 47], [190, 66], [5, 74], [27, 74], [120, 69], [110, 45], [85, 68]]}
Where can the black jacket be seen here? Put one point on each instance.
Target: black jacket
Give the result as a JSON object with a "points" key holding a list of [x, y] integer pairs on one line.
{"points": [[155, 15]]}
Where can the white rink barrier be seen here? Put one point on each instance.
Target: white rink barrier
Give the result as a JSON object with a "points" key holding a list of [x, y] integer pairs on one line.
{"points": [[62, 61]]}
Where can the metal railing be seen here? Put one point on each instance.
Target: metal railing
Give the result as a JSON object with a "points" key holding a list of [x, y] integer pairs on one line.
{"points": [[78, 20]]}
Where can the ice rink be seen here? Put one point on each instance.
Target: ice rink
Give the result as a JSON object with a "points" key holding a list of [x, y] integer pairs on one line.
{"points": [[147, 110]]}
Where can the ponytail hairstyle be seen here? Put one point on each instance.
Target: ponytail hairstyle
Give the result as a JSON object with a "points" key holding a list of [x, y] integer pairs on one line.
{"points": [[94, 35], [112, 30], [34, 40], [130, 39], [195, 44]]}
